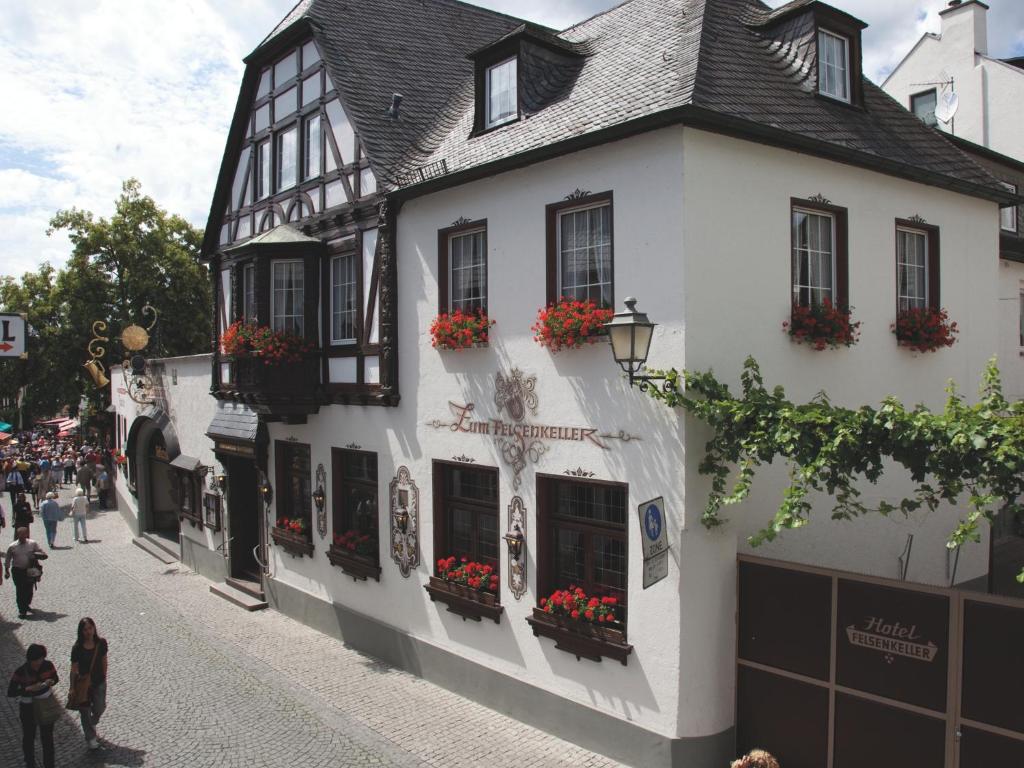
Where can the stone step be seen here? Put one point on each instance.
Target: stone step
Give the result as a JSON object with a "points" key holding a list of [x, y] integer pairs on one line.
{"points": [[252, 588], [171, 547], [158, 552], [238, 597]]}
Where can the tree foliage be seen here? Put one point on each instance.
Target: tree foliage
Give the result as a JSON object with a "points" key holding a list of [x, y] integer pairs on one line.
{"points": [[967, 452], [140, 255]]}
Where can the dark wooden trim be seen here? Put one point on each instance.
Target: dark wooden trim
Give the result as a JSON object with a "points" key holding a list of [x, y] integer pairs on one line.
{"points": [[443, 262], [931, 233], [439, 471], [842, 254], [582, 639], [356, 566], [552, 212], [462, 601], [292, 543]]}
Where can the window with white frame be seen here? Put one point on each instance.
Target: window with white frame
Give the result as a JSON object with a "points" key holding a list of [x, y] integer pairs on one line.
{"points": [[344, 299], [287, 297], [833, 65], [249, 293], [584, 237], [1008, 216], [923, 105], [911, 269], [814, 257], [467, 259], [502, 99]]}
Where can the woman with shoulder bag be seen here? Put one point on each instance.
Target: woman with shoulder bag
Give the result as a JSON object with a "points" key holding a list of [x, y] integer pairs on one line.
{"points": [[33, 684], [88, 693]]}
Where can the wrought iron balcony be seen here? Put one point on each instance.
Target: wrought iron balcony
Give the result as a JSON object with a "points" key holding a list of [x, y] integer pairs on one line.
{"points": [[282, 390]]}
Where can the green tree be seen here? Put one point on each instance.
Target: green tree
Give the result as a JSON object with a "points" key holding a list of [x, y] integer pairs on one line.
{"points": [[140, 256]]}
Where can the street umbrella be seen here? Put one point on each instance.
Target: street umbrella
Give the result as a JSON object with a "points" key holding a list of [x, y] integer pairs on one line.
{"points": [[5, 427]]}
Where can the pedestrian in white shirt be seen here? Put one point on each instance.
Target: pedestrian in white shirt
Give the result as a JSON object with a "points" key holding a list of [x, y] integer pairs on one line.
{"points": [[79, 509]]}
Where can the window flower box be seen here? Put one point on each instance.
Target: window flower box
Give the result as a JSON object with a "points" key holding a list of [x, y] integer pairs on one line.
{"points": [[261, 343], [583, 639], [924, 329], [292, 537], [460, 330], [355, 554], [822, 325], [570, 324], [465, 601]]}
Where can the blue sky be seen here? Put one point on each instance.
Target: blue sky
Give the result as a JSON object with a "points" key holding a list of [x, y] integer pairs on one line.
{"points": [[96, 91]]}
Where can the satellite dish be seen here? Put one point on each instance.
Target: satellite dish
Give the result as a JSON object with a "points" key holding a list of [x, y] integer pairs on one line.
{"points": [[947, 106]]}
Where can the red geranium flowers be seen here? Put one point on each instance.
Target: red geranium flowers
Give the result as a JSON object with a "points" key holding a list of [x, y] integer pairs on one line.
{"points": [[570, 324], [357, 543], [292, 524], [272, 347], [467, 573], [574, 603], [924, 329], [822, 325], [460, 330]]}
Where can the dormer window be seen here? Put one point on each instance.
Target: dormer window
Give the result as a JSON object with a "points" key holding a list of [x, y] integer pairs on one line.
{"points": [[502, 93], [833, 65]]}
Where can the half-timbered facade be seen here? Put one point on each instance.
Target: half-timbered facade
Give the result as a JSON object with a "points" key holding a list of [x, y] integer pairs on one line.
{"points": [[724, 163]]}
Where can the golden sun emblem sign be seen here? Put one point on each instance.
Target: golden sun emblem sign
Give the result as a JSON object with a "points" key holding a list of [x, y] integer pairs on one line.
{"points": [[134, 338]]}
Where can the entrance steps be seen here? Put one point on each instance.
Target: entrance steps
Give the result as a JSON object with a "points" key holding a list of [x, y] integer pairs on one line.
{"points": [[158, 547], [243, 598]]}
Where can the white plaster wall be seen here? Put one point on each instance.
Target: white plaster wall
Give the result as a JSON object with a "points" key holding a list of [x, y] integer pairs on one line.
{"points": [[129, 409], [1011, 354], [575, 388], [737, 245]]}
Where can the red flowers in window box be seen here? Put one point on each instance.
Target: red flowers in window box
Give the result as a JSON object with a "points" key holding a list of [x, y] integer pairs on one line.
{"points": [[460, 330], [120, 458], [924, 329], [574, 603], [822, 325], [468, 574], [292, 525], [271, 347], [570, 324], [357, 543]]}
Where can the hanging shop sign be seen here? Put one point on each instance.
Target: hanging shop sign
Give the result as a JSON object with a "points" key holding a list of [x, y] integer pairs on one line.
{"points": [[520, 440], [13, 328], [654, 536]]}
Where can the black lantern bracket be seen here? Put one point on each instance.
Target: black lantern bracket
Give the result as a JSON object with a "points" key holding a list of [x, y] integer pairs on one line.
{"points": [[630, 332]]}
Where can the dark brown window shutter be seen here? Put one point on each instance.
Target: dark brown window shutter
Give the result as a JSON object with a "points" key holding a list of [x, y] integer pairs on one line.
{"points": [[842, 261], [934, 282]]}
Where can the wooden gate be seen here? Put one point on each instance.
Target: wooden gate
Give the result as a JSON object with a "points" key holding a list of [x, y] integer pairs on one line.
{"points": [[837, 670]]}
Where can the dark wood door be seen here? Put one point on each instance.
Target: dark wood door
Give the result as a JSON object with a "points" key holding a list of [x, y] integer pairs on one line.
{"points": [[245, 516]]}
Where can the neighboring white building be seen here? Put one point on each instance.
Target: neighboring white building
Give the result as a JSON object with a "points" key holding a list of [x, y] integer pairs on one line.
{"points": [[719, 161], [990, 91]]}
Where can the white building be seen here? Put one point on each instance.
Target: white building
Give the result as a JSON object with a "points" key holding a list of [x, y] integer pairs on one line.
{"points": [[989, 91], [721, 162]]}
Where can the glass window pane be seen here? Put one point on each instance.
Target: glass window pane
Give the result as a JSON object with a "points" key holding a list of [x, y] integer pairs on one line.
{"points": [[262, 119], [241, 176], [328, 85], [263, 170], [286, 159], [311, 150], [592, 503], [286, 69], [502, 98], [287, 297], [244, 227], [344, 137], [468, 264], [585, 261], [334, 194], [311, 89], [310, 55], [344, 297], [264, 87], [367, 182], [570, 558], [1008, 216], [813, 257], [286, 104]]}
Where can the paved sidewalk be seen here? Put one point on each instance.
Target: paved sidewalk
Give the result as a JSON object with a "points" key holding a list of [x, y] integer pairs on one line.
{"points": [[197, 682]]}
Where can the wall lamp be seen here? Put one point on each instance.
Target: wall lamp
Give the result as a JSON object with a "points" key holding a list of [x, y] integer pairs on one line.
{"points": [[402, 519], [319, 498], [267, 492], [515, 541], [221, 481], [630, 332]]}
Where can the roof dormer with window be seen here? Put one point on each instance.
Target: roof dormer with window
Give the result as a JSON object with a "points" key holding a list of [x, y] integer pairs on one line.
{"points": [[521, 73]]}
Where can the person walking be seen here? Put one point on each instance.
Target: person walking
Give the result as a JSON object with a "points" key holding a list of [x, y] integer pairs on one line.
{"points": [[51, 513], [33, 682], [79, 510], [89, 660], [69, 468], [22, 514], [86, 472], [103, 487], [22, 564], [56, 472], [15, 481]]}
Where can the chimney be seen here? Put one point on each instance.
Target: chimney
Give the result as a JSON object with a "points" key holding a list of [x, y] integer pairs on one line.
{"points": [[966, 22]]}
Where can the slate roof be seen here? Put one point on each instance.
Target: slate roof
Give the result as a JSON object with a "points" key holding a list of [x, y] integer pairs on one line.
{"points": [[234, 421]]}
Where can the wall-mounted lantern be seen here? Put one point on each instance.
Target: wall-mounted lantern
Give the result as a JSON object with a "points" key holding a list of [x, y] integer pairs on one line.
{"points": [[320, 500], [516, 541], [221, 482], [267, 492], [630, 332]]}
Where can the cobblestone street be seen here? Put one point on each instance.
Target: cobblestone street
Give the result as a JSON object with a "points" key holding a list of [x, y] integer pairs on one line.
{"points": [[198, 682]]}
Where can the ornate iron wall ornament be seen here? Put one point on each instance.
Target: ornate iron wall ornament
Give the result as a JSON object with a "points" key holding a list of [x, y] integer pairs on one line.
{"points": [[139, 383], [517, 563], [464, 459], [916, 219], [354, 447], [820, 199], [622, 435], [461, 222], [405, 516], [321, 501], [517, 395], [579, 194], [579, 472]]}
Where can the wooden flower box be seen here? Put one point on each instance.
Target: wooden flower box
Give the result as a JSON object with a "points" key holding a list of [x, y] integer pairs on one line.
{"points": [[295, 544], [582, 639], [468, 603], [356, 566]]}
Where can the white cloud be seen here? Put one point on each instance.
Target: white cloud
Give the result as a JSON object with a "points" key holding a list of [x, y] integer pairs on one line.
{"points": [[96, 91]]}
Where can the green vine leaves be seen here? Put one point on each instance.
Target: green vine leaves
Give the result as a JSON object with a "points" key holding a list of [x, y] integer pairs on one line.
{"points": [[968, 452]]}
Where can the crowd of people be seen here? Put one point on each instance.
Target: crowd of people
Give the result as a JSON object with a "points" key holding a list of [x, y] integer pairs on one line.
{"points": [[34, 467]]}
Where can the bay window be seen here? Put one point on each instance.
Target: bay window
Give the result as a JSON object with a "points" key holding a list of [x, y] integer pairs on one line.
{"points": [[287, 297], [580, 252]]}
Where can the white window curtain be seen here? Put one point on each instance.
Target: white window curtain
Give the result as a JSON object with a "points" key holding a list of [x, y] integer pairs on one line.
{"points": [[468, 260], [502, 93], [911, 269], [287, 297], [585, 254], [813, 258]]}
